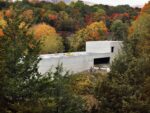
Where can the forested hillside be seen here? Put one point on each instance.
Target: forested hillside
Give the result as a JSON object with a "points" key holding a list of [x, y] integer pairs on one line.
{"points": [[29, 29], [67, 27]]}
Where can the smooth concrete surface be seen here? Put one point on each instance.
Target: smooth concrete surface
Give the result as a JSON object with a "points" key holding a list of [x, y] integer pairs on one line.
{"points": [[80, 61]]}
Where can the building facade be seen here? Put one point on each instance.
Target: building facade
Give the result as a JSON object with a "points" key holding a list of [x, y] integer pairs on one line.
{"points": [[97, 52]]}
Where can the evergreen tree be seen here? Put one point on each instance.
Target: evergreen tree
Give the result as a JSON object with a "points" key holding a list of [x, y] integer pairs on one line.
{"points": [[21, 85]]}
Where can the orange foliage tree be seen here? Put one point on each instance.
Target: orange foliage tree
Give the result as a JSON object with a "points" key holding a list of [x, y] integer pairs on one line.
{"points": [[1, 14], [146, 8], [52, 17], [1, 32], [51, 40], [8, 13], [2, 24]]}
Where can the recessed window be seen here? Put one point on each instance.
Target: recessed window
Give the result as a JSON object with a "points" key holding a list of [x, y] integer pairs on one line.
{"points": [[112, 49], [101, 60]]}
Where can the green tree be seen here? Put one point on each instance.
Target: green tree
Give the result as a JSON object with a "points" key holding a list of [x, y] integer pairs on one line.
{"points": [[84, 9], [119, 29], [64, 99], [99, 15], [65, 22], [22, 86], [141, 27], [61, 6], [4, 4], [124, 89]]}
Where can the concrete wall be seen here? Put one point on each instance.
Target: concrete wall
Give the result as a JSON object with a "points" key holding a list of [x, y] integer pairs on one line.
{"points": [[98, 46], [71, 63], [117, 48], [80, 61], [104, 47]]}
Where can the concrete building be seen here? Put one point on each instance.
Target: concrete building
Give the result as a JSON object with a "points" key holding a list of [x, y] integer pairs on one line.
{"points": [[97, 52]]}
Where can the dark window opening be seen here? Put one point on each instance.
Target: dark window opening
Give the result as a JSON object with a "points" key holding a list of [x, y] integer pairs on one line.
{"points": [[101, 60], [112, 49]]}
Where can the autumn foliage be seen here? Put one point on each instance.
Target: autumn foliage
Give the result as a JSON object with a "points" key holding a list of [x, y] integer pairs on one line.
{"points": [[2, 24], [146, 8], [1, 32], [43, 30], [97, 30], [76, 21], [1, 14], [51, 41], [8, 13], [52, 17], [28, 14], [141, 28], [94, 31]]}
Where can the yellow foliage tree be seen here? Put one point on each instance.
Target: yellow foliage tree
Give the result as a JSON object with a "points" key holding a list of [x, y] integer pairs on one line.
{"points": [[51, 41], [84, 84], [94, 31], [3, 23]]}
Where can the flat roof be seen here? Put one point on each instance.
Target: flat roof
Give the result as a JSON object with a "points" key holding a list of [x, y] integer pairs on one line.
{"points": [[58, 55], [72, 54]]}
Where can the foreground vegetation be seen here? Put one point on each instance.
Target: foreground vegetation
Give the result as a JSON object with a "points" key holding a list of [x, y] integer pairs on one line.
{"points": [[126, 89]]}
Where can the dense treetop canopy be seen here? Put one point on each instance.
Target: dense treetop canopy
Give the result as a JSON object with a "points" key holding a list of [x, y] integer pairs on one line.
{"points": [[65, 20]]}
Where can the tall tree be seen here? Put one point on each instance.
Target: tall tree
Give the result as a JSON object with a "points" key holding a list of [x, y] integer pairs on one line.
{"points": [[21, 85], [141, 27]]}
